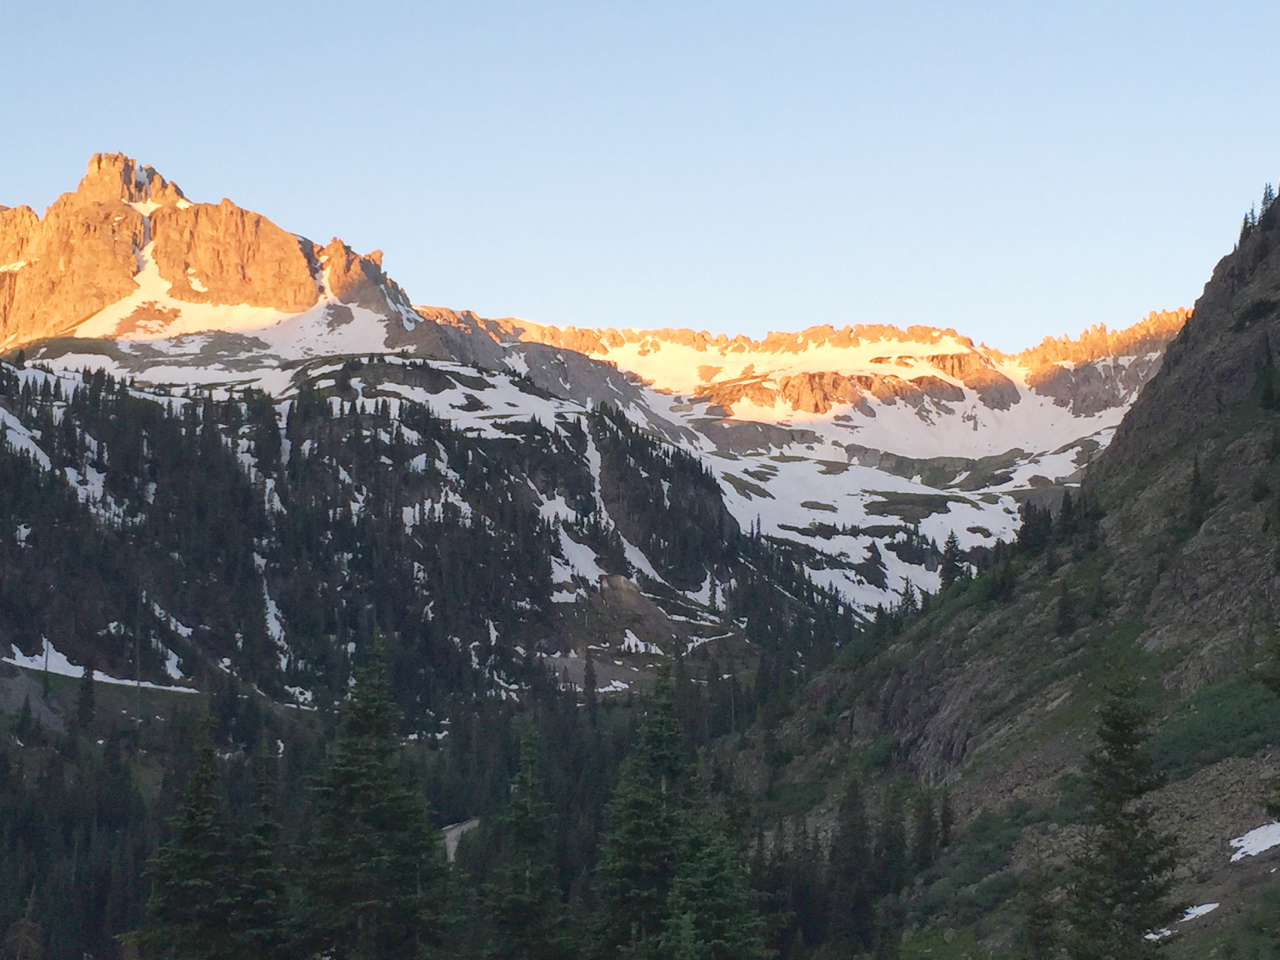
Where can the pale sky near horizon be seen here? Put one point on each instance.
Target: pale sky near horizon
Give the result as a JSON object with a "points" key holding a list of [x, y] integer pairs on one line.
{"points": [[1010, 169]]}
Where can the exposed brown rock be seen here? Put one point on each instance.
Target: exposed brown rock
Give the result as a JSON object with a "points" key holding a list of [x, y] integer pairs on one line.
{"points": [[113, 176], [78, 259], [84, 254], [236, 255], [975, 371]]}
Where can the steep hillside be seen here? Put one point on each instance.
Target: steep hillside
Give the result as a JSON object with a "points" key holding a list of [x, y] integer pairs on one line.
{"points": [[1166, 568]]}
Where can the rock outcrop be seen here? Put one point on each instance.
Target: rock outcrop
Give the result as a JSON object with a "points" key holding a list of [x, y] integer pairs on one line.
{"points": [[89, 249], [224, 254]]}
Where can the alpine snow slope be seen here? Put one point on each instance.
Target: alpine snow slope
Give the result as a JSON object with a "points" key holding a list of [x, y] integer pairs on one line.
{"points": [[865, 447]]}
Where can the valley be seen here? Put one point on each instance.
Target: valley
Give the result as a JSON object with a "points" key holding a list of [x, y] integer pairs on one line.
{"points": [[875, 582]]}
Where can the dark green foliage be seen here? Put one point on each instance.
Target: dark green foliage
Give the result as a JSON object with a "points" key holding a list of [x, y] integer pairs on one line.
{"points": [[1039, 934], [373, 881], [1036, 529], [1122, 878], [951, 568], [1255, 311], [1199, 499], [191, 905], [849, 874], [85, 705], [711, 910], [924, 838], [641, 851], [1066, 611], [664, 500], [522, 904], [1235, 718]]}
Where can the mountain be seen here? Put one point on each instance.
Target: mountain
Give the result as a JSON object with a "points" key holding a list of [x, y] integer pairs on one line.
{"points": [[1166, 570], [898, 438], [127, 256], [236, 466]]}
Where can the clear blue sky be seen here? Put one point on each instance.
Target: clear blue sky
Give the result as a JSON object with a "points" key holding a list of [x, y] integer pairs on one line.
{"points": [[1012, 169]]}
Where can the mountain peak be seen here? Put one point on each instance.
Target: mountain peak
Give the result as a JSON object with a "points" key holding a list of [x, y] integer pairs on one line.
{"points": [[114, 176]]}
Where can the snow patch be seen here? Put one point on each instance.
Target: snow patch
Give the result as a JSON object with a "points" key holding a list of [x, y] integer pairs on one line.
{"points": [[58, 664], [1256, 841]]}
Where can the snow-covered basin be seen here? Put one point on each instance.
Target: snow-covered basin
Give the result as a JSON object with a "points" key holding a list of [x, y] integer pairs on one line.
{"points": [[1256, 841]]}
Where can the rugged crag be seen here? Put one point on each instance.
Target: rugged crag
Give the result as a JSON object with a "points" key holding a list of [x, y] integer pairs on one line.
{"points": [[130, 240]]}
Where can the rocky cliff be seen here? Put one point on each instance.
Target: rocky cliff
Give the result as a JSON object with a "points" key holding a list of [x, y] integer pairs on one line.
{"points": [[129, 239]]}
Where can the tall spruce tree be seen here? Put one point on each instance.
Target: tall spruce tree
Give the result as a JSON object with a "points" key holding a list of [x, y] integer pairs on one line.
{"points": [[191, 905], [374, 870], [849, 875], [522, 904], [641, 851], [1122, 877], [711, 908], [85, 706], [951, 562]]}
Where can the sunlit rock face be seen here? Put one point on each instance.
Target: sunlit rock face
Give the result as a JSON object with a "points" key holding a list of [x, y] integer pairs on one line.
{"points": [[128, 256]]}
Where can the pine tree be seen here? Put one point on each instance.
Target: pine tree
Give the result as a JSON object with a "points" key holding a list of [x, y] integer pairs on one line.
{"points": [[258, 896], [951, 563], [891, 845], [711, 909], [925, 833], [849, 874], [523, 903], [641, 851], [1122, 878], [190, 906], [1039, 930], [946, 820], [374, 876], [24, 940], [589, 694]]}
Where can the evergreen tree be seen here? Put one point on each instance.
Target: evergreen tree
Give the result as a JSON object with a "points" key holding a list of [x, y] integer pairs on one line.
{"points": [[711, 909], [946, 820], [849, 874], [590, 697], [85, 707], [24, 940], [523, 903], [951, 562], [1122, 878], [1039, 932], [641, 851], [925, 833], [258, 911], [1199, 498], [190, 907], [374, 875], [891, 845]]}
